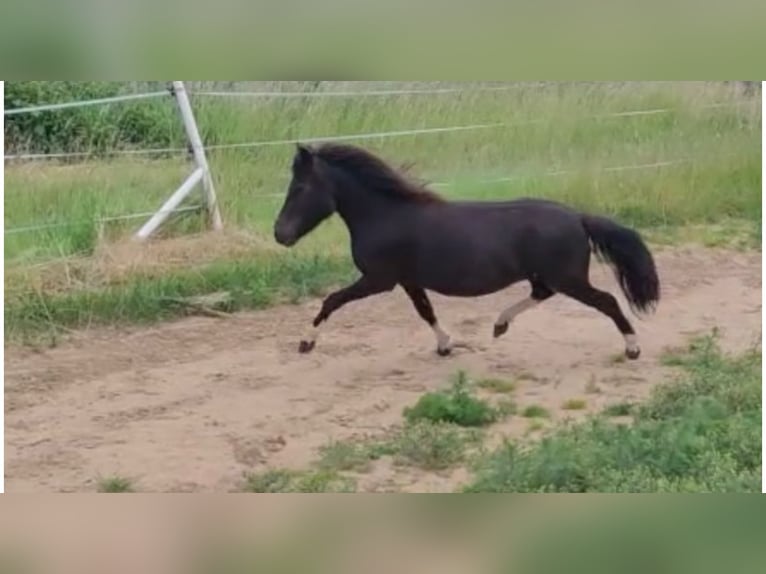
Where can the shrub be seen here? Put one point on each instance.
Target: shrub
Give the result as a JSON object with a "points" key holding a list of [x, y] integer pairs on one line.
{"points": [[96, 129]]}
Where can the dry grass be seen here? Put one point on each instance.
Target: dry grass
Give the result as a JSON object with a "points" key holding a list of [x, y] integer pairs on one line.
{"points": [[120, 261]]}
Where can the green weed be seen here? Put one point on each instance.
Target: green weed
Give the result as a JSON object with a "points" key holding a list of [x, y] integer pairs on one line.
{"points": [[456, 405], [281, 480], [343, 456], [574, 405], [535, 411], [432, 445], [496, 385], [113, 484], [618, 410]]}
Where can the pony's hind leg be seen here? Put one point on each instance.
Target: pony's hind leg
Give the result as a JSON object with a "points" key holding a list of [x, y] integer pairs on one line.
{"points": [[607, 304], [426, 311], [539, 294]]}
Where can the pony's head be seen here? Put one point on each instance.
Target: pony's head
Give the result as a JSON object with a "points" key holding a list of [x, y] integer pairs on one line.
{"points": [[309, 200]]}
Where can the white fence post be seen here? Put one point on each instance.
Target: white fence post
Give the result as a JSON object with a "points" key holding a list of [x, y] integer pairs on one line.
{"points": [[170, 205], [200, 174], [214, 215]]}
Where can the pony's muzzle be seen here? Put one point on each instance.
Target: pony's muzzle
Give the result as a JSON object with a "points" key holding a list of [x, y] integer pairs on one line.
{"points": [[284, 235]]}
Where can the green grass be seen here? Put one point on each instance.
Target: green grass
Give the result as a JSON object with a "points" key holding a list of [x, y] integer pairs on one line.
{"points": [[535, 412], [113, 484], [717, 196], [568, 139], [591, 387], [345, 456], [617, 358], [697, 433], [505, 408], [427, 445], [433, 445], [496, 385], [434, 437], [274, 480], [252, 283], [534, 426], [618, 410], [282, 480], [700, 433], [574, 405], [456, 405]]}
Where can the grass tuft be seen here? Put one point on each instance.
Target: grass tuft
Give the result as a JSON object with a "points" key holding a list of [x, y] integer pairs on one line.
{"points": [[432, 445], [496, 385], [618, 410], [535, 411], [574, 405], [456, 405], [534, 426], [345, 456], [282, 480], [114, 484]]}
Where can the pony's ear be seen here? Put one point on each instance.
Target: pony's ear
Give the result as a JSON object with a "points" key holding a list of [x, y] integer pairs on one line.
{"points": [[304, 156]]}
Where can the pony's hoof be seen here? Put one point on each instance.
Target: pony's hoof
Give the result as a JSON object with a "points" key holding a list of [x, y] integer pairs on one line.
{"points": [[633, 353], [445, 352], [306, 346], [500, 329]]}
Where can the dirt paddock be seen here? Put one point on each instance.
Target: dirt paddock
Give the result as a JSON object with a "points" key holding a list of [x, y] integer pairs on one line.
{"points": [[190, 405]]}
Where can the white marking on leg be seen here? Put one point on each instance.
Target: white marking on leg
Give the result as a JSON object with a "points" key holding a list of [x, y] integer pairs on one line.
{"points": [[442, 338], [312, 335], [631, 342], [516, 309]]}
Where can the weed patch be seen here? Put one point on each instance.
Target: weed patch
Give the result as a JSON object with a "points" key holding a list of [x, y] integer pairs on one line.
{"points": [[535, 411], [281, 480], [113, 484], [701, 433], [457, 405]]}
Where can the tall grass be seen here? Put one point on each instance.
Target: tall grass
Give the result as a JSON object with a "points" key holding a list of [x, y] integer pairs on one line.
{"points": [[550, 128]]}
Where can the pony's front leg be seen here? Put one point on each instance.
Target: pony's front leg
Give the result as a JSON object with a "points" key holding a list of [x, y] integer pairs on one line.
{"points": [[363, 287]]}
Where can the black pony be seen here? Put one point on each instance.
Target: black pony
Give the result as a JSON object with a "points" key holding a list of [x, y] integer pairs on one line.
{"points": [[404, 234]]}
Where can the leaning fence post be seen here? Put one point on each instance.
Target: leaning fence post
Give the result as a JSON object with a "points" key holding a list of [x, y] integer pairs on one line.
{"points": [[198, 151], [170, 205]]}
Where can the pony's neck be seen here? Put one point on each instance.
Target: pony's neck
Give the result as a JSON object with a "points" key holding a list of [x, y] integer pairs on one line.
{"points": [[359, 205]]}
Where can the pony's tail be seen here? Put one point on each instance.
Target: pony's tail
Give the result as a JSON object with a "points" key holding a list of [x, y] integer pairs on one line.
{"points": [[633, 264]]}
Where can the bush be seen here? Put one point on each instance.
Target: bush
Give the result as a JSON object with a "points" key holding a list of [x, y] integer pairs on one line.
{"points": [[96, 129]]}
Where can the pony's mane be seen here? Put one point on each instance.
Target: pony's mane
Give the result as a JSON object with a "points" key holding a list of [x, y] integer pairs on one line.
{"points": [[381, 177]]}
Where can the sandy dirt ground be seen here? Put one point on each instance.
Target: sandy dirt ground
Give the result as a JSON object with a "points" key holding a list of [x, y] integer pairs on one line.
{"points": [[191, 405]]}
